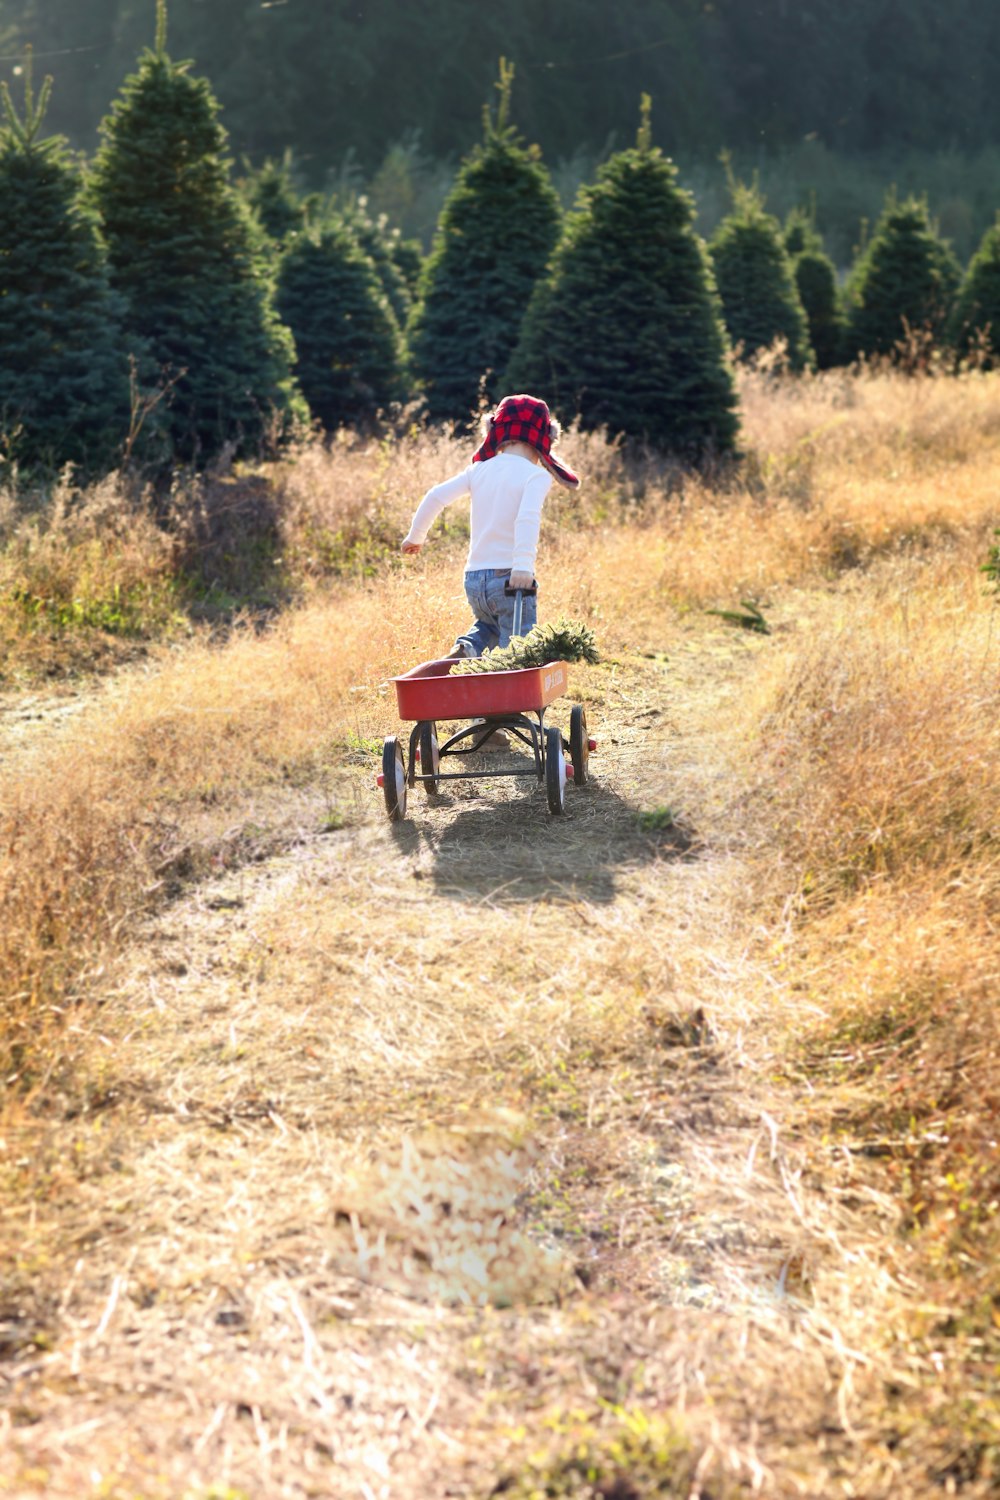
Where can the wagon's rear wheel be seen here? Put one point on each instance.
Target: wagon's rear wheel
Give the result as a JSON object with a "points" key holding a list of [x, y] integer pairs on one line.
{"points": [[393, 777], [555, 771], [430, 758], [579, 744]]}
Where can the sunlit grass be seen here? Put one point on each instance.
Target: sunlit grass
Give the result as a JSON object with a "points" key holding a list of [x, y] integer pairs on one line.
{"points": [[835, 928]]}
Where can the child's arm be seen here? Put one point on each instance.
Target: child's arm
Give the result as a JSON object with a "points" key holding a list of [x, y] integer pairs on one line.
{"points": [[529, 518], [431, 507]]}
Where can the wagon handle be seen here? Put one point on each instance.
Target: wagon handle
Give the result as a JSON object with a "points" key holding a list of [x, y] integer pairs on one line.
{"points": [[518, 605]]}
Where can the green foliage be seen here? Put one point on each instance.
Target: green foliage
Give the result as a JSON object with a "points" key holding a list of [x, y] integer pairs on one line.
{"points": [[642, 1456], [748, 617], [376, 240], [496, 232], [864, 78], [780, 85], [903, 283], [760, 300], [409, 187], [273, 195], [349, 351], [657, 819], [625, 332], [191, 264], [142, 609], [800, 232], [976, 319], [408, 258], [991, 567], [563, 640], [64, 374], [816, 284]]}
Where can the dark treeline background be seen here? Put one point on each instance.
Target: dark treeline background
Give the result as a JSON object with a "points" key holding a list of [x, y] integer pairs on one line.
{"points": [[322, 75], [822, 85]]}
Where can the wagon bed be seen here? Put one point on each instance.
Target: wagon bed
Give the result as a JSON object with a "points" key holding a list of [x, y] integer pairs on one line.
{"points": [[433, 691]]}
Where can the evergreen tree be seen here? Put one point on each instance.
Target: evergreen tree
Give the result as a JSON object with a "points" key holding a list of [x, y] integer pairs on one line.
{"points": [[816, 283], [408, 258], [760, 301], [497, 230], [905, 280], [346, 336], [977, 313], [190, 261], [375, 238], [626, 330], [64, 375], [272, 194], [800, 233]]}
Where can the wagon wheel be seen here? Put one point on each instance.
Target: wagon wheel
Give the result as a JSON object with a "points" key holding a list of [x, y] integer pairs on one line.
{"points": [[393, 778], [430, 757], [579, 744], [555, 771]]}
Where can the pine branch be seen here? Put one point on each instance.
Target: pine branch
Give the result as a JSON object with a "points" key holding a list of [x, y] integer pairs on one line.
{"points": [[565, 640], [750, 619], [26, 129]]}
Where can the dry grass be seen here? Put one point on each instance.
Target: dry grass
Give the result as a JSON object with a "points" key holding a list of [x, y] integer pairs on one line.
{"points": [[251, 1263], [82, 575], [817, 491], [605, 1143], [884, 739], [883, 733], [876, 761]]}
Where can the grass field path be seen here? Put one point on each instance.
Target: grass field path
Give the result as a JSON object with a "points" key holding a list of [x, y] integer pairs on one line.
{"points": [[647, 1151], [428, 1154]]}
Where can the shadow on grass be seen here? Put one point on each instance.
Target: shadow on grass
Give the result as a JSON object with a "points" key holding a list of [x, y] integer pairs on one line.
{"points": [[229, 549], [507, 848]]}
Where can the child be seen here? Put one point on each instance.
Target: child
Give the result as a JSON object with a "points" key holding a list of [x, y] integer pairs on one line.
{"points": [[507, 494]]}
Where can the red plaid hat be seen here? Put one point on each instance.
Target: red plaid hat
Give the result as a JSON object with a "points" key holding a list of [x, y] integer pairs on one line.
{"points": [[525, 419]]}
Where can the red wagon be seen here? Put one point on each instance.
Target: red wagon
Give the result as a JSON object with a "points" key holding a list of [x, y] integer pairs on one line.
{"points": [[514, 701]]}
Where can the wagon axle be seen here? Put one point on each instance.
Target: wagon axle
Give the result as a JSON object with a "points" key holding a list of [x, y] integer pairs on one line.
{"points": [[570, 773], [591, 745]]}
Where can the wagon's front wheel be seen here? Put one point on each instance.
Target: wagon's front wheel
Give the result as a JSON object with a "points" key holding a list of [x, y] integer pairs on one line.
{"points": [[555, 771], [393, 778], [430, 757]]}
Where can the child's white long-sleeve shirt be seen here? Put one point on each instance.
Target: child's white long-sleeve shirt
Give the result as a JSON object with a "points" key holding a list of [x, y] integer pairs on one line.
{"points": [[507, 496]]}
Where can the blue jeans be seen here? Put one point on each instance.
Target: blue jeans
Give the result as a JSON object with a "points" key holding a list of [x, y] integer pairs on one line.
{"points": [[494, 610]]}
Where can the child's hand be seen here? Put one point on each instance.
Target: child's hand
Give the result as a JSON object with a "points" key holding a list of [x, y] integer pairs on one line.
{"points": [[521, 581], [409, 546]]}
